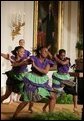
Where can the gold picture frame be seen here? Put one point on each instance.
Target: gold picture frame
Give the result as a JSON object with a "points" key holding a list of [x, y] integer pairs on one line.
{"points": [[59, 25]]}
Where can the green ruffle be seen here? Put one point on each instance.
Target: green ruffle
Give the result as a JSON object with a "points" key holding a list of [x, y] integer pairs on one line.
{"points": [[43, 92], [18, 81], [36, 78], [55, 81], [24, 97], [61, 76], [18, 76]]}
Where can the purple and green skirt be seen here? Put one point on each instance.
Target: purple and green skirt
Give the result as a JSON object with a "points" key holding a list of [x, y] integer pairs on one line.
{"points": [[15, 81], [58, 79], [36, 87]]}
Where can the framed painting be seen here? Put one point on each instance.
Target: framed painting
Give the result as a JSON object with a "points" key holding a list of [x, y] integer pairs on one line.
{"points": [[48, 24]]}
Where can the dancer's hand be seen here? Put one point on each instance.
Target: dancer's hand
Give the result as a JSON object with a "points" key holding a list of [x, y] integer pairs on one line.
{"points": [[33, 64]]}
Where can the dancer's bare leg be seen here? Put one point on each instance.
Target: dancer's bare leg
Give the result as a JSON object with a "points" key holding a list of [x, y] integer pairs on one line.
{"points": [[30, 107], [19, 108], [45, 106], [52, 102], [7, 94], [75, 102]]}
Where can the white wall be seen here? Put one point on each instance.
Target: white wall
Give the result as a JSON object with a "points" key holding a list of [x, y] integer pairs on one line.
{"points": [[70, 28], [8, 8]]}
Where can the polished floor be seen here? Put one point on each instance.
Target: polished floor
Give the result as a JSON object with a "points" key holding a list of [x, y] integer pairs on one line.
{"points": [[7, 110]]}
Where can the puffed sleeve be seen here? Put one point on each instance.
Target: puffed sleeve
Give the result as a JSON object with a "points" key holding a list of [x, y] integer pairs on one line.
{"points": [[50, 62]]}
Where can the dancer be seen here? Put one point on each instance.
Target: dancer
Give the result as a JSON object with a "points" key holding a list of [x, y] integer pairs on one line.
{"points": [[36, 81], [61, 78], [26, 55], [14, 82]]}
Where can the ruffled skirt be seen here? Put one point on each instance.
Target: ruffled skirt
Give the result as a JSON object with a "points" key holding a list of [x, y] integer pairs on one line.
{"points": [[15, 81], [36, 87], [59, 79]]}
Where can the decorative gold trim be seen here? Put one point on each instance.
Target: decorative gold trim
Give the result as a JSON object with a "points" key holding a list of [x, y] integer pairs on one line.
{"points": [[60, 22], [35, 23]]}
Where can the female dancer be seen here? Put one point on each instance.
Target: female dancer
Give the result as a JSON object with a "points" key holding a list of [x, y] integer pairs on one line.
{"points": [[61, 78], [36, 81], [14, 82]]}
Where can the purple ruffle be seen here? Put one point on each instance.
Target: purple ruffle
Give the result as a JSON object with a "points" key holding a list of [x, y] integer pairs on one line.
{"points": [[33, 86]]}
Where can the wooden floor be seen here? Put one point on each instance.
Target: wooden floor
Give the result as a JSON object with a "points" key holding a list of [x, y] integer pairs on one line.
{"points": [[7, 110]]}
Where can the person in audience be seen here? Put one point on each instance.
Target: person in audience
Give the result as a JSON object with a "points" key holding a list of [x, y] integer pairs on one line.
{"points": [[22, 43]]}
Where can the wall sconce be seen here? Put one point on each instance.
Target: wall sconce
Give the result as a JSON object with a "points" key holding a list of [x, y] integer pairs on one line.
{"points": [[17, 22]]}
